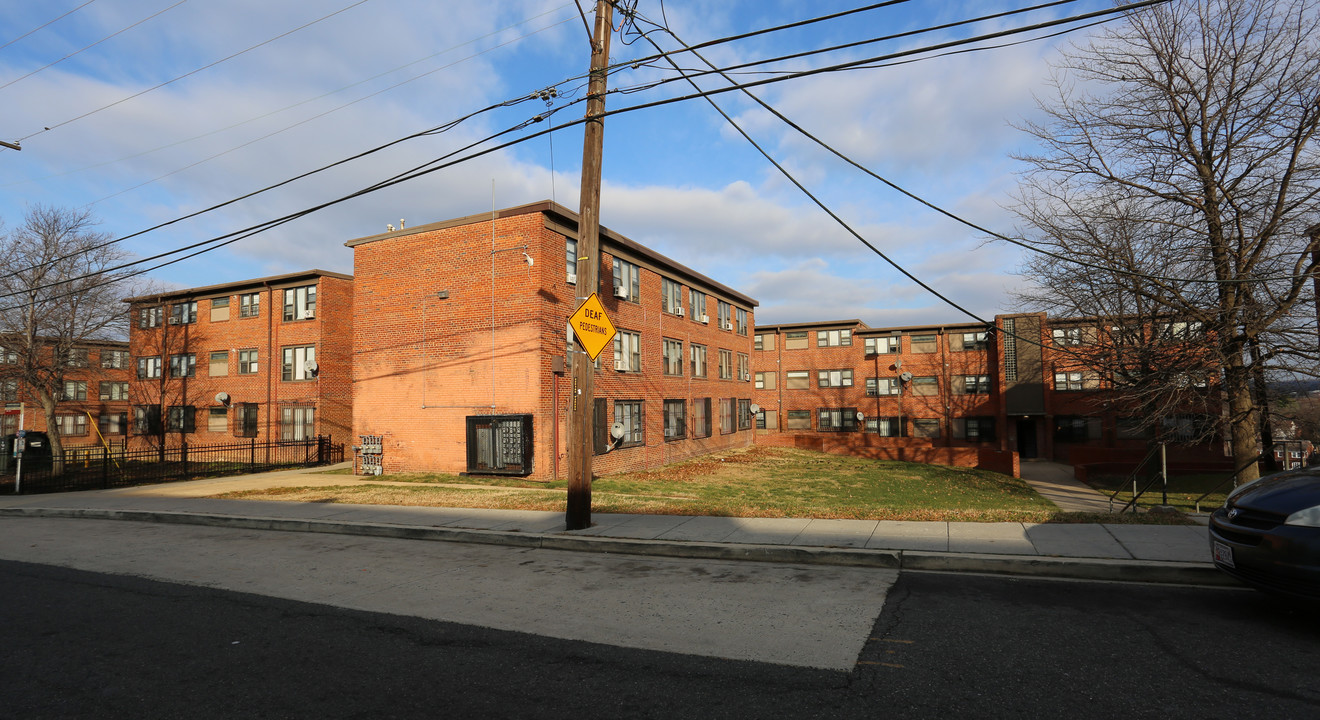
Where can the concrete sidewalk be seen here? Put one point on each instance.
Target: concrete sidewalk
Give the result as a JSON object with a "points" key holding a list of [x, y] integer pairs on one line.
{"points": [[1100, 551]]}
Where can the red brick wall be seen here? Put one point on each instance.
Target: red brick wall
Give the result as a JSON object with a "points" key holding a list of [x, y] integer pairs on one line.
{"points": [[423, 364], [34, 417]]}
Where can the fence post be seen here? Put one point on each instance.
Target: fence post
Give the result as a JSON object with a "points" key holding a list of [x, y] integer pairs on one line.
{"points": [[105, 466], [252, 454], [183, 456]]}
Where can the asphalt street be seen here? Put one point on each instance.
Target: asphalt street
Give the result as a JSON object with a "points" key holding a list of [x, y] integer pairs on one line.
{"points": [[79, 644]]}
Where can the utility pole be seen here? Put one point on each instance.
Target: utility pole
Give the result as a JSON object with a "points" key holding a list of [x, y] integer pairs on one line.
{"points": [[578, 515]]}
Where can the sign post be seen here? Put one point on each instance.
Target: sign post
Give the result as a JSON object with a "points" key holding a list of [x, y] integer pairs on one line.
{"points": [[593, 330]]}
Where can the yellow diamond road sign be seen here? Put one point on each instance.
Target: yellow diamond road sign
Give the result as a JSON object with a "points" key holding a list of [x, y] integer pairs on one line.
{"points": [[591, 326]]}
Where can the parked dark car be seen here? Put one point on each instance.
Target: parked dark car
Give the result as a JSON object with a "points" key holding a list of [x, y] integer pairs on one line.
{"points": [[1267, 534], [36, 452]]}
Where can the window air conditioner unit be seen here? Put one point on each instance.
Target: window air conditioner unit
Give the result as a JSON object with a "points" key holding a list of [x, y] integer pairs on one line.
{"points": [[679, 312], [621, 292], [572, 277], [728, 326], [618, 365], [705, 319]]}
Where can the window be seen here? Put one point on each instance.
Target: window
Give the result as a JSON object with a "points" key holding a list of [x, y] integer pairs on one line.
{"points": [[112, 423], [1075, 380], [113, 391], [184, 313], [146, 419], [701, 418], [745, 414], [925, 386], [627, 352], [881, 386], [724, 318], [671, 296], [763, 341], [698, 361], [300, 303], [883, 345], [971, 384], [836, 420], [744, 367], [299, 363], [1181, 330], [1069, 428], [924, 344], [673, 356], [767, 420], [740, 321], [114, 359], [798, 420], [297, 423], [245, 424], [183, 365], [1134, 428], [975, 429], [249, 305], [247, 362], [968, 341], [885, 426], [926, 428], [795, 341], [834, 378], [217, 419], [1065, 337], [8, 391], [570, 260], [629, 412], [76, 358], [797, 380], [765, 381], [726, 415], [1186, 428], [833, 338], [219, 364], [627, 281], [74, 390], [726, 364], [675, 420], [9, 357], [220, 309], [181, 419], [148, 367], [697, 304], [149, 317], [71, 425], [499, 444]]}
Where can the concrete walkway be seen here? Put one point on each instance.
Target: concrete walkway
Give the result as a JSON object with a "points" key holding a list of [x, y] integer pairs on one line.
{"points": [[1056, 482], [1104, 551]]}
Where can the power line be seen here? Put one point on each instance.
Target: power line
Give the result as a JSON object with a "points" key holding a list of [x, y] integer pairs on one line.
{"points": [[98, 42], [48, 22], [193, 72]]}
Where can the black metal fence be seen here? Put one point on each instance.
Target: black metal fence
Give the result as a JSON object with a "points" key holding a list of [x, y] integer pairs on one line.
{"points": [[99, 468]]}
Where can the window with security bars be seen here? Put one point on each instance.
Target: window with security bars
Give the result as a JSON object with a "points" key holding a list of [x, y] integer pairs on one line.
{"points": [[836, 419], [297, 422], [675, 419], [629, 414], [245, 420]]}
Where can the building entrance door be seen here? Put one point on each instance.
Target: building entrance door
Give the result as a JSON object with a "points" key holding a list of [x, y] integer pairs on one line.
{"points": [[1026, 438]]}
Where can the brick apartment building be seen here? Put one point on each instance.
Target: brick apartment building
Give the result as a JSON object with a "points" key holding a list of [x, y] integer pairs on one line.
{"points": [[94, 402], [461, 349], [267, 358], [972, 394]]}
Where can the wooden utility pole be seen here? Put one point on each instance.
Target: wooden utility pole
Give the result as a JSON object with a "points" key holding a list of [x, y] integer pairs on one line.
{"points": [[578, 515]]}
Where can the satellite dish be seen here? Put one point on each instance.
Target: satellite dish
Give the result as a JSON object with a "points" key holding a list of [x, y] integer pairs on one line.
{"points": [[905, 377], [616, 430], [860, 416], [898, 364], [755, 408], [310, 366], [222, 398]]}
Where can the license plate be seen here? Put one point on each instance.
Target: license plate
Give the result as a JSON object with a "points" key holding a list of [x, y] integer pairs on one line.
{"points": [[1223, 554]]}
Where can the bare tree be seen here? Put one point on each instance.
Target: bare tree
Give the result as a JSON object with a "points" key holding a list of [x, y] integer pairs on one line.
{"points": [[1177, 177], [59, 292]]}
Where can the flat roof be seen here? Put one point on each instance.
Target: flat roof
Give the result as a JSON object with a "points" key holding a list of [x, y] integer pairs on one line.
{"points": [[237, 285], [810, 325], [546, 207]]}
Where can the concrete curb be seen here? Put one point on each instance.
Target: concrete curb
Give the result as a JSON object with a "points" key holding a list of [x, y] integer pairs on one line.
{"points": [[1173, 573]]}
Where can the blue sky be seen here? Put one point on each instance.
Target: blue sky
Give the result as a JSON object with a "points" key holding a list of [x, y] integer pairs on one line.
{"points": [[677, 178]]}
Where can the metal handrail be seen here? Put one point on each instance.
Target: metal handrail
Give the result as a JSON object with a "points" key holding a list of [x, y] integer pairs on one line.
{"points": [[1231, 478], [1136, 472]]}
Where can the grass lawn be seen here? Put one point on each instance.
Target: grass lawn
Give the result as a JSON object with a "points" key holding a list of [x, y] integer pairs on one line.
{"points": [[1183, 490], [751, 482]]}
